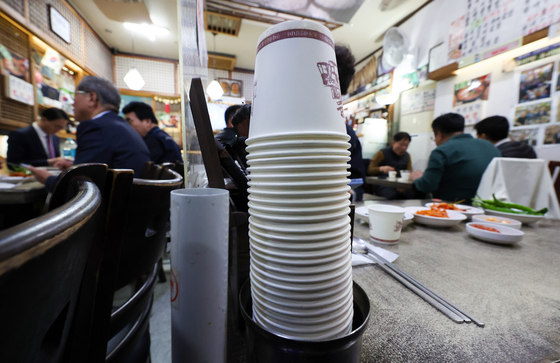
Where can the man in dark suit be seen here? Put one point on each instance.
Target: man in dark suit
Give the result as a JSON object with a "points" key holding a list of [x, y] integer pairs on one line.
{"points": [[37, 144], [102, 136], [142, 119]]}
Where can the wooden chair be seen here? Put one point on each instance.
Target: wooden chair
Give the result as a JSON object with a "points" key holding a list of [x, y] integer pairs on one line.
{"points": [[42, 263]]}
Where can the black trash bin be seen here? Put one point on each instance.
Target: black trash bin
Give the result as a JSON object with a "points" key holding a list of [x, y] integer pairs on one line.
{"points": [[266, 347]]}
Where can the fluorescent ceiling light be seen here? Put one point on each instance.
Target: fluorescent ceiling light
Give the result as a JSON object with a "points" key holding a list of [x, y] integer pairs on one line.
{"points": [[214, 90], [134, 80], [151, 31]]}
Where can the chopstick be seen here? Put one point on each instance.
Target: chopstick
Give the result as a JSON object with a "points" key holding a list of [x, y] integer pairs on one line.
{"points": [[394, 269], [442, 308]]}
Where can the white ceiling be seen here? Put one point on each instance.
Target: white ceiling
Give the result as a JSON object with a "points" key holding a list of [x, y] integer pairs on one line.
{"points": [[363, 34]]}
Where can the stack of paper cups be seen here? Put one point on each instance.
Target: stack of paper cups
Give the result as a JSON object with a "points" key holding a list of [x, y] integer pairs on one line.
{"points": [[301, 272]]}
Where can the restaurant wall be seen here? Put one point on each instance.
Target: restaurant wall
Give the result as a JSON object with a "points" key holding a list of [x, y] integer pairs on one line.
{"points": [[431, 26], [160, 75]]}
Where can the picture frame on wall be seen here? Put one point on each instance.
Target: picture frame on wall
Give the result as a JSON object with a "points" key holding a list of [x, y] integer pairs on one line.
{"points": [[231, 87], [59, 24]]}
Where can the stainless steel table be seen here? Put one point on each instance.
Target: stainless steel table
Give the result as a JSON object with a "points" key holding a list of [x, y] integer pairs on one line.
{"points": [[373, 180], [514, 290]]}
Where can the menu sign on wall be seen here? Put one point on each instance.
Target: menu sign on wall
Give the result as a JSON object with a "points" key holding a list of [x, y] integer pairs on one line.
{"points": [[419, 101]]}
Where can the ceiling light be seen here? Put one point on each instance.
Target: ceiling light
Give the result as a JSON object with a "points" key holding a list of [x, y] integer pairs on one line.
{"points": [[387, 99], [151, 31], [214, 90], [134, 80], [151, 37]]}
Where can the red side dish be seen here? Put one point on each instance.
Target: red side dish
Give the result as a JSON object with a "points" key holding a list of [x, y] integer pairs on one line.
{"points": [[479, 226]]}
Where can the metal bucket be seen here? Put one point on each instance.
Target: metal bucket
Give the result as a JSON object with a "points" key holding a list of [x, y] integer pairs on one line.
{"points": [[266, 347]]}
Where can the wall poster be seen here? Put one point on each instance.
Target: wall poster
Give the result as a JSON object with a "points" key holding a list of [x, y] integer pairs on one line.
{"points": [[535, 83], [529, 136], [417, 101], [475, 89], [552, 135], [536, 113]]}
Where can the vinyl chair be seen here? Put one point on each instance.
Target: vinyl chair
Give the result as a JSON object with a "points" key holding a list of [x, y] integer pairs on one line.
{"points": [[136, 228], [149, 170], [42, 263]]}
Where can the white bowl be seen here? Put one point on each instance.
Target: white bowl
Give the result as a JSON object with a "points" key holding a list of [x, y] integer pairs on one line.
{"points": [[327, 159], [469, 211], [523, 218], [507, 235], [454, 218], [292, 136], [501, 221]]}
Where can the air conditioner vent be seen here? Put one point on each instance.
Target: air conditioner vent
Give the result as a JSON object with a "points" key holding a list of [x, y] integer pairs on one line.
{"points": [[222, 24]]}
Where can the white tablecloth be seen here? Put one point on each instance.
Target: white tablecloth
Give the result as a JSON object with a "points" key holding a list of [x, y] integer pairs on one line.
{"points": [[522, 181]]}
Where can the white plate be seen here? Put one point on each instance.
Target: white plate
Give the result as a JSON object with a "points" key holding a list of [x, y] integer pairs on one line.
{"points": [[469, 210], [507, 235], [362, 213], [483, 219], [16, 179], [523, 218], [454, 218]]}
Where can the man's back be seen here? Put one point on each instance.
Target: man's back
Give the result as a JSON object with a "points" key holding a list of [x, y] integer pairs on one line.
{"points": [[458, 165], [162, 147], [517, 149], [111, 140]]}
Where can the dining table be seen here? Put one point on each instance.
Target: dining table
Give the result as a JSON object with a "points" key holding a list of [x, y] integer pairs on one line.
{"points": [[21, 203], [385, 182], [513, 289]]}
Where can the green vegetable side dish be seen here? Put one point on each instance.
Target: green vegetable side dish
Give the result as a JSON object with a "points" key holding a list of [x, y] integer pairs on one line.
{"points": [[500, 206]]}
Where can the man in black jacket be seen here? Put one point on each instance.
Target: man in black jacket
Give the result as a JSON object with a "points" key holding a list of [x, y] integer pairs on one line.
{"points": [[495, 129]]}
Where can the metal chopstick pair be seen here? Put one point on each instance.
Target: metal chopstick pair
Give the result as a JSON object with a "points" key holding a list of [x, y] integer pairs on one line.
{"points": [[453, 312]]}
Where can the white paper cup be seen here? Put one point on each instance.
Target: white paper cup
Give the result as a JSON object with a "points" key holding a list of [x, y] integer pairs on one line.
{"points": [[264, 207], [333, 191], [299, 241], [283, 201], [300, 228], [297, 144], [293, 136], [274, 268], [297, 152], [292, 160], [298, 168], [299, 219], [392, 175], [385, 223], [296, 67], [318, 178], [405, 175]]}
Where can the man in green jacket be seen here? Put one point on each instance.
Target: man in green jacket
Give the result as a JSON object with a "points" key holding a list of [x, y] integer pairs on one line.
{"points": [[456, 166]]}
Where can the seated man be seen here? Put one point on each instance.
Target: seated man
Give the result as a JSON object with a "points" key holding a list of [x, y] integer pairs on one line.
{"points": [[456, 166], [236, 146], [37, 145], [102, 136], [496, 129], [392, 158], [142, 119], [228, 135]]}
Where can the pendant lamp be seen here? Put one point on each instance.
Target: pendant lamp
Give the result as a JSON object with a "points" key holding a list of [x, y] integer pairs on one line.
{"points": [[214, 89]]}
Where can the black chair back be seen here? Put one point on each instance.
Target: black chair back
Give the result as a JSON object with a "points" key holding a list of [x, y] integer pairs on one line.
{"points": [[42, 264]]}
